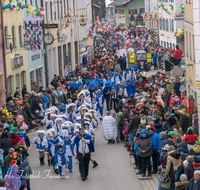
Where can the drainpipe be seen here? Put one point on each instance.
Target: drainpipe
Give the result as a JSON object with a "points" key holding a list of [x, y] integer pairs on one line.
{"points": [[3, 48], [45, 55]]}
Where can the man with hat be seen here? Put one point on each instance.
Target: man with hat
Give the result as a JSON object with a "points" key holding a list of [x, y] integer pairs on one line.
{"points": [[82, 150]]}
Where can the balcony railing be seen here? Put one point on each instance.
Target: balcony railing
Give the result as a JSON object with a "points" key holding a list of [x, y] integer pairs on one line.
{"points": [[110, 17], [179, 15]]}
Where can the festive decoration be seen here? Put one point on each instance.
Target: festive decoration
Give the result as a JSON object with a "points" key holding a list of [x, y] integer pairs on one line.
{"points": [[144, 15], [179, 32], [182, 7], [119, 16], [155, 16], [38, 11], [165, 8], [32, 34]]}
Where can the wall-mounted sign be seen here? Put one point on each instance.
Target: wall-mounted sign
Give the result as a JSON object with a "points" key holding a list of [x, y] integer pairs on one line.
{"points": [[35, 57], [17, 62], [49, 25]]}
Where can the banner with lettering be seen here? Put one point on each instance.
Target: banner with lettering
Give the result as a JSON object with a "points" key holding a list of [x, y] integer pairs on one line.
{"points": [[32, 34]]}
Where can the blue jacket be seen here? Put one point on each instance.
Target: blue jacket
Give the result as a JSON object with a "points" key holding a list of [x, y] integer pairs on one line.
{"points": [[155, 141], [137, 150], [129, 90], [105, 90], [132, 86], [182, 147]]}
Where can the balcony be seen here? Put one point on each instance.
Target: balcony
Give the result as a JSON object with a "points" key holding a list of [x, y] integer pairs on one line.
{"points": [[110, 17], [179, 15]]}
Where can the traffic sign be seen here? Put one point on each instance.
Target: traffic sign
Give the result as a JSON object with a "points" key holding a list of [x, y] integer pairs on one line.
{"points": [[49, 25]]}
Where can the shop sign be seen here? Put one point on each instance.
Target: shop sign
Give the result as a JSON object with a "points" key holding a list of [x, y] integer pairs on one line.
{"points": [[17, 62]]}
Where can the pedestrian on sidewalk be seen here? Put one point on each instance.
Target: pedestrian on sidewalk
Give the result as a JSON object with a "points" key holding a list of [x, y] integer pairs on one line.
{"points": [[145, 148]]}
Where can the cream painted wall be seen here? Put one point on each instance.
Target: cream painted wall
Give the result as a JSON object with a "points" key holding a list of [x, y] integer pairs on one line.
{"points": [[15, 18]]}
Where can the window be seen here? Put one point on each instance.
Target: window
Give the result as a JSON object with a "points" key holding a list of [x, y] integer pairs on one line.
{"points": [[20, 36], [161, 43], [142, 10], [46, 11], [74, 6], [170, 45], [13, 37], [23, 78], [166, 22], [173, 46], [54, 11], [61, 7], [10, 84], [31, 2], [35, 3], [164, 44], [186, 37], [193, 48], [65, 7], [115, 11], [51, 10], [58, 6], [172, 25], [132, 11], [160, 23], [190, 41], [6, 36]]}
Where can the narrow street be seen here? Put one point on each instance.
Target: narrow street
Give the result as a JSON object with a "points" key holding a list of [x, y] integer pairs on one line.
{"points": [[114, 170]]}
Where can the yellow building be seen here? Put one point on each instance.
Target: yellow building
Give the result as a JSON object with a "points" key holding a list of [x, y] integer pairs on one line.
{"points": [[190, 50], [16, 62]]}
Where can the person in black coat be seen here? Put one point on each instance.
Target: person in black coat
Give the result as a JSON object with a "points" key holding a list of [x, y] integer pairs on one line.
{"points": [[24, 91], [177, 85], [5, 143], [21, 151], [194, 183], [119, 107], [35, 105]]}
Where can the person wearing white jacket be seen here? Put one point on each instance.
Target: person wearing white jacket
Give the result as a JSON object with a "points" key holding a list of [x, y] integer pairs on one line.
{"points": [[109, 128]]}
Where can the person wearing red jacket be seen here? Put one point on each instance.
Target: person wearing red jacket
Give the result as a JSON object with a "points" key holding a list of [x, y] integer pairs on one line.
{"points": [[177, 56], [14, 137]]}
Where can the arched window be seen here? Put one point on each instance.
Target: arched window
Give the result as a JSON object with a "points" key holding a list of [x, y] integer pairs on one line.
{"points": [[13, 37], [10, 84], [20, 36], [6, 36]]}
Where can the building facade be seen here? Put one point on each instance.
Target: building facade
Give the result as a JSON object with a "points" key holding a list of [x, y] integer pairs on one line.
{"points": [[16, 62], [151, 7], [129, 12], [2, 63], [190, 49], [168, 23], [84, 7], [62, 55], [196, 52], [35, 58]]}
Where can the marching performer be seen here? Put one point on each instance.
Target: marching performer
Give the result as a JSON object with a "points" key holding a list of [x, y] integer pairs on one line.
{"points": [[38, 140], [100, 99]]}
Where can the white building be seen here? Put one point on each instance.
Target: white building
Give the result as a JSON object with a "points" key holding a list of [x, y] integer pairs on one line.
{"points": [[169, 23], [151, 6], [110, 11]]}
